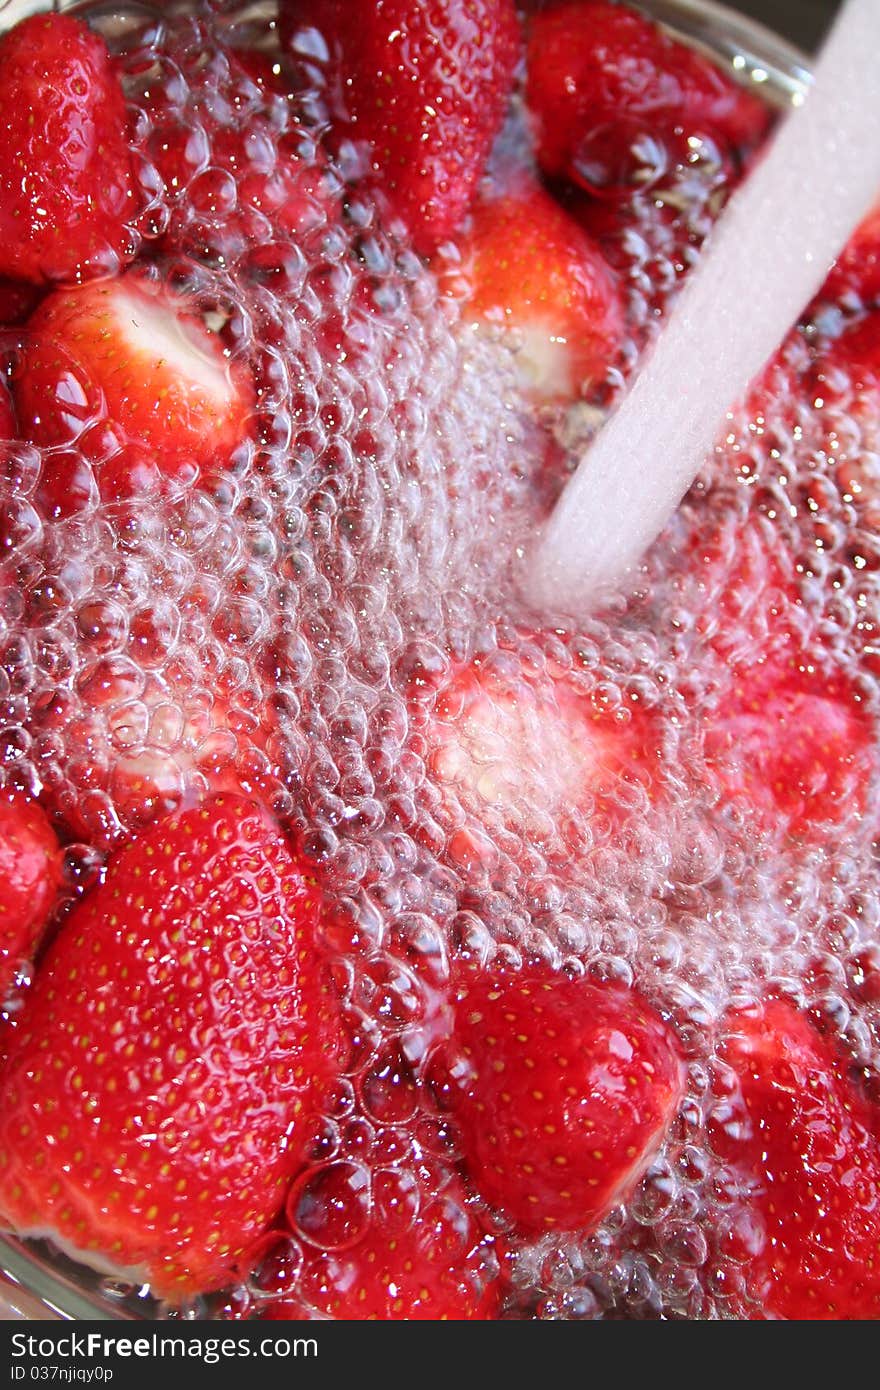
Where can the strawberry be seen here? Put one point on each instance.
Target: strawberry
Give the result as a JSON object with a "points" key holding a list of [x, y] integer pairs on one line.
{"points": [[794, 745], [7, 415], [529, 269], [124, 369], [425, 84], [151, 738], [157, 1091], [382, 1224], [652, 233], [30, 874], [237, 168], [602, 79], [512, 751], [857, 269], [802, 1137], [744, 596], [66, 184], [848, 379], [562, 1091], [18, 299], [396, 1244], [857, 352]]}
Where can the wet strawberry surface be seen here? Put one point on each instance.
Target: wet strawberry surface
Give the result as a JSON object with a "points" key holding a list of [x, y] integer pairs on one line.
{"points": [[491, 940]]}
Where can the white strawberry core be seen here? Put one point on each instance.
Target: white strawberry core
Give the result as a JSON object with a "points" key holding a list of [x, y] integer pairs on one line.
{"points": [[183, 348], [519, 754], [543, 360], [541, 356]]}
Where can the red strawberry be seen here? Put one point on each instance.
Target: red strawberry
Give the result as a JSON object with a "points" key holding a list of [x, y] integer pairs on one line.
{"points": [[513, 751], [158, 1089], [124, 369], [398, 1243], [152, 739], [426, 84], [30, 872], [381, 1221], [857, 352], [744, 596], [803, 1139], [562, 1091], [845, 372], [527, 267], [848, 379], [238, 169], [652, 233], [794, 745], [857, 270], [18, 299], [66, 184], [7, 415], [602, 77]]}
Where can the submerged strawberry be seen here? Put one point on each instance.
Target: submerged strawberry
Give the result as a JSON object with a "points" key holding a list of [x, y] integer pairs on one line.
{"points": [[803, 1138], [127, 372], [66, 183], [743, 590], [511, 751], [7, 415], [847, 378], [562, 1091], [526, 267], [30, 873], [425, 84], [238, 169], [857, 269], [398, 1243], [793, 745], [18, 299], [158, 1089], [857, 351], [150, 738], [602, 78]]}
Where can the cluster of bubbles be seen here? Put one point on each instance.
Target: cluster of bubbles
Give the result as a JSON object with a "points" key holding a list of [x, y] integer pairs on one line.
{"points": [[289, 626]]}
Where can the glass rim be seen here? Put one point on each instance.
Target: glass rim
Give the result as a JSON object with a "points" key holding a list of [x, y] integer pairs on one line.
{"points": [[50, 1282]]}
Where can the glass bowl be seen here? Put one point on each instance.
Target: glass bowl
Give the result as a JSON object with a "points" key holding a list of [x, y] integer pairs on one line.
{"points": [[36, 1281]]}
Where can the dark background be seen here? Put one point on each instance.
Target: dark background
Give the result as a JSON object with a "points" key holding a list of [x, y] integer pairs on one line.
{"points": [[804, 21]]}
